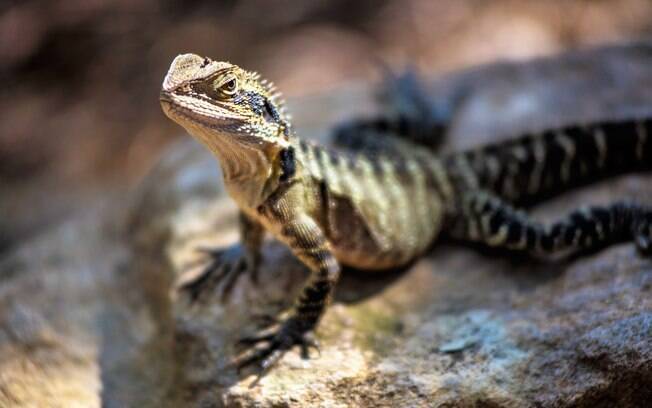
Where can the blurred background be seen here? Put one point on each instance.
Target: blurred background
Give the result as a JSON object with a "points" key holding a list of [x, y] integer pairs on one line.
{"points": [[79, 112]]}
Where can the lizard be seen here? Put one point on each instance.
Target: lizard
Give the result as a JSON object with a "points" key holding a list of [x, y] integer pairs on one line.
{"points": [[383, 207]]}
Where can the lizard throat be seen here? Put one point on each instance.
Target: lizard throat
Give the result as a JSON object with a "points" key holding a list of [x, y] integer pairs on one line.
{"points": [[248, 170], [240, 161]]}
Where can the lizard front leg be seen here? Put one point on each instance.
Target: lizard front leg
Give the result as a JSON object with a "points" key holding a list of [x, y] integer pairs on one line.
{"points": [[308, 243], [226, 264]]}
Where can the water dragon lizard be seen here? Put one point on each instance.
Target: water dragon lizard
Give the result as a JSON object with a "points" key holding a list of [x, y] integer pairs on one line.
{"points": [[384, 201]]}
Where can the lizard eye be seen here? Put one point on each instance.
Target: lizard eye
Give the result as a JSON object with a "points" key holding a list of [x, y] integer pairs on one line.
{"points": [[230, 86], [220, 88]]}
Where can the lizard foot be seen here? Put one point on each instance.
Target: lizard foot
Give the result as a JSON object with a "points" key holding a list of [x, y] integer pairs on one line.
{"points": [[266, 348], [223, 265]]}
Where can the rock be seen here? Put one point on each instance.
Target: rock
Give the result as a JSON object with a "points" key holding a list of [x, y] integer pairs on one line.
{"points": [[89, 314], [74, 321]]}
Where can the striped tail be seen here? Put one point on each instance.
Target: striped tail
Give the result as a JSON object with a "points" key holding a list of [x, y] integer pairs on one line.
{"points": [[540, 165]]}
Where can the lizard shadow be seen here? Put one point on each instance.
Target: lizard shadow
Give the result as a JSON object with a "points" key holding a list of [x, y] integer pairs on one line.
{"points": [[526, 270], [356, 285], [523, 270]]}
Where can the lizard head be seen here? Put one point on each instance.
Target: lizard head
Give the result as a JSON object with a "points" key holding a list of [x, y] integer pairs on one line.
{"points": [[224, 106]]}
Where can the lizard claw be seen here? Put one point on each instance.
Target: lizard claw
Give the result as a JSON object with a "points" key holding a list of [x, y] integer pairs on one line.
{"points": [[224, 265], [267, 347], [309, 341]]}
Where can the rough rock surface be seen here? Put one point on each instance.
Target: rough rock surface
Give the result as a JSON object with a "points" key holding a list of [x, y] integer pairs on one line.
{"points": [[89, 315]]}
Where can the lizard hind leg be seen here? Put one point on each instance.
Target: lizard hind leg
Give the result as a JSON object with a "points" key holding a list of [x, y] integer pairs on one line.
{"points": [[408, 113], [486, 218], [418, 116]]}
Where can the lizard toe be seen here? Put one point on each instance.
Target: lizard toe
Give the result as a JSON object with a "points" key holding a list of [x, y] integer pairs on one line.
{"points": [[265, 349]]}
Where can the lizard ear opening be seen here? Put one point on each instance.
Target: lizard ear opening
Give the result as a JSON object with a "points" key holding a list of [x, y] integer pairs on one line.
{"points": [[288, 165], [270, 113]]}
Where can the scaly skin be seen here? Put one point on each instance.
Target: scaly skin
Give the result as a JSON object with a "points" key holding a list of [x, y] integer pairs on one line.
{"points": [[383, 204]]}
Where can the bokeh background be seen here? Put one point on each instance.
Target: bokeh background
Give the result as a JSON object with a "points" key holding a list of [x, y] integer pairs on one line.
{"points": [[79, 112]]}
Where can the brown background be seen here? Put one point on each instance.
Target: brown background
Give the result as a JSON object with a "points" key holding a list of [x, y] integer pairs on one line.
{"points": [[79, 113]]}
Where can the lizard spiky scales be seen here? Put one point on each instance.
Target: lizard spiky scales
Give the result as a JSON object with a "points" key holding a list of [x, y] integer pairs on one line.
{"points": [[384, 206]]}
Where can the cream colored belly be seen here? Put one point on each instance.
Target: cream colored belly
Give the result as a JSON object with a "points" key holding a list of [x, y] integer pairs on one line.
{"points": [[366, 261]]}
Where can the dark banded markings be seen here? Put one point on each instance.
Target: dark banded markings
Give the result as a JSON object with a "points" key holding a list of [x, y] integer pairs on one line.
{"points": [[288, 164]]}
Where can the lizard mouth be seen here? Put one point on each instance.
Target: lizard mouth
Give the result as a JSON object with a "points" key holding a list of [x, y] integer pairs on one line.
{"points": [[182, 114], [166, 101], [164, 97]]}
